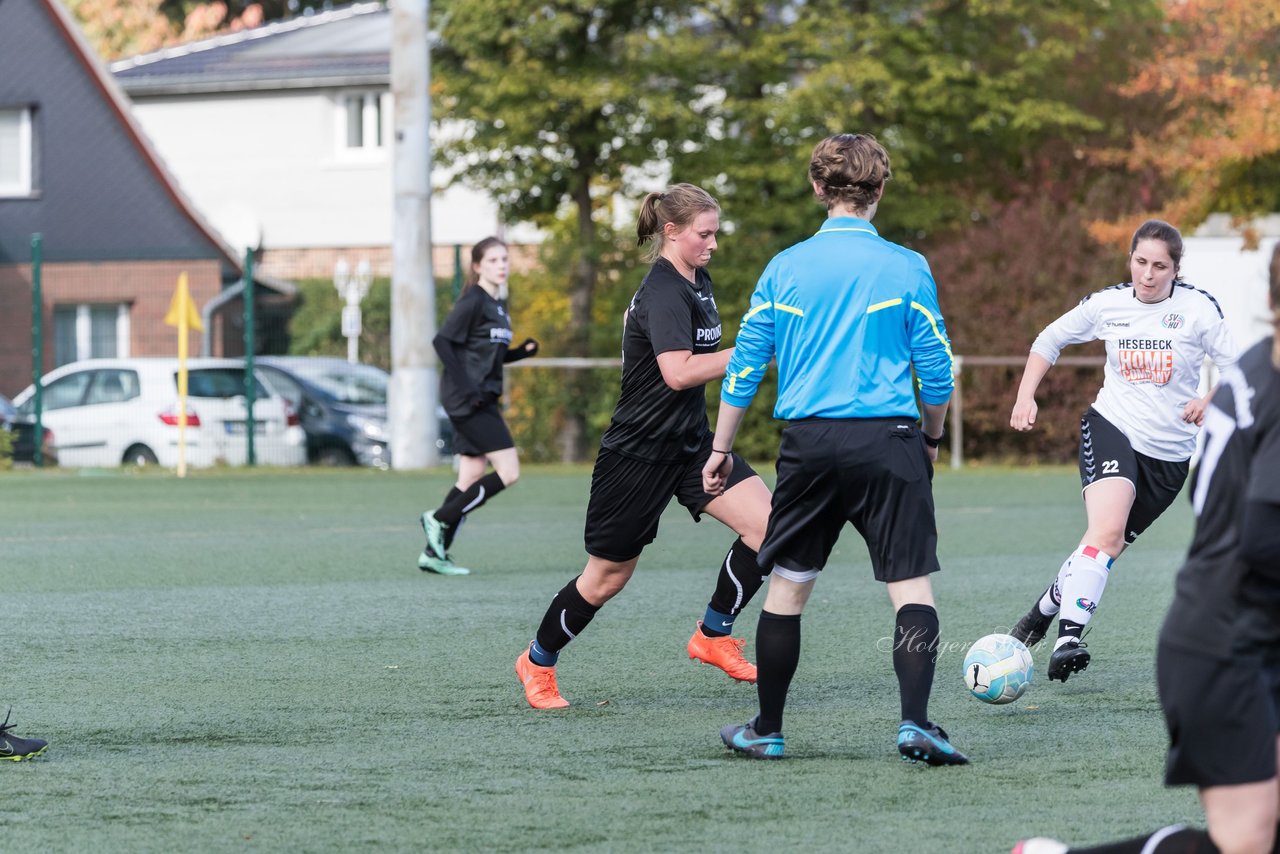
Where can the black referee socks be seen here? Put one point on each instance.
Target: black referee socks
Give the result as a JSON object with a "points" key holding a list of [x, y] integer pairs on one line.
{"points": [[915, 653], [777, 654]]}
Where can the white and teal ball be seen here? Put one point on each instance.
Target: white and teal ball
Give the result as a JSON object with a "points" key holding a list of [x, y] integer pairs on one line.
{"points": [[998, 669]]}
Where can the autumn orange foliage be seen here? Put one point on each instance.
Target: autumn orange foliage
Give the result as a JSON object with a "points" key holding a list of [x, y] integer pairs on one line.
{"points": [[1215, 71]]}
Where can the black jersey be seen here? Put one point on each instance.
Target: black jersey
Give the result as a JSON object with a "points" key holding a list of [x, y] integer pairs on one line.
{"points": [[652, 421], [479, 323], [1239, 462]]}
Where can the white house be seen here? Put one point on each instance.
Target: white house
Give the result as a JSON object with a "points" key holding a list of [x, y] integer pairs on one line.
{"points": [[1215, 259], [281, 136]]}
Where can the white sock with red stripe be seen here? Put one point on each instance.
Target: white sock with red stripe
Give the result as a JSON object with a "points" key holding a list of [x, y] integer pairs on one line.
{"points": [[1051, 601], [1082, 583]]}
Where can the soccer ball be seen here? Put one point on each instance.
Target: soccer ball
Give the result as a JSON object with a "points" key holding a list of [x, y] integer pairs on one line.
{"points": [[998, 669]]}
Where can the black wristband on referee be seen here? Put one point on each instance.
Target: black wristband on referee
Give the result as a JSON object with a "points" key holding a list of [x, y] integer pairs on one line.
{"points": [[931, 441], [726, 453]]}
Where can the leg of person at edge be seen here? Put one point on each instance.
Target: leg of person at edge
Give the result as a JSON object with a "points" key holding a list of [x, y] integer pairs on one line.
{"points": [[471, 491], [1140, 432], [16, 748], [852, 451], [654, 449]]}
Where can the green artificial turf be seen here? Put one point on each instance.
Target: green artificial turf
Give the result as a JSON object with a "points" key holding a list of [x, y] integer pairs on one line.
{"points": [[250, 661]]}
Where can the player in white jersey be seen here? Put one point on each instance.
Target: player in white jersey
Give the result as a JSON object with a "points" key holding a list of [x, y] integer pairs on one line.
{"points": [[1137, 438]]}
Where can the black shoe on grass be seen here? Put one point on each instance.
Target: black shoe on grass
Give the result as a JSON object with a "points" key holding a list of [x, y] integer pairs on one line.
{"points": [[17, 749], [1071, 657]]}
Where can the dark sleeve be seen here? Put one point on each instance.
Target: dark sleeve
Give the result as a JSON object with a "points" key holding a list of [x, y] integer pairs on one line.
{"points": [[520, 351], [457, 326], [1264, 484], [1260, 538], [670, 318], [450, 358]]}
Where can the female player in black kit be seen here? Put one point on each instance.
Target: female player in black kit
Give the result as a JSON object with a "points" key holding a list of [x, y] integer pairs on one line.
{"points": [[1218, 661], [473, 345], [655, 447]]}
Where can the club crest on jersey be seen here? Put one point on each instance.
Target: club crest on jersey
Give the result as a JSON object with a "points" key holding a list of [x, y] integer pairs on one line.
{"points": [[1171, 321], [1086, 606]]}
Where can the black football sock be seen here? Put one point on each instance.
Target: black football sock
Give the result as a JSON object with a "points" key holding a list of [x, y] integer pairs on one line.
{"points": [[1168, 840], [452, 530], [777, 655], [565, 619], [453, 509], [1069, 629], [915, 654], [739, 579]]}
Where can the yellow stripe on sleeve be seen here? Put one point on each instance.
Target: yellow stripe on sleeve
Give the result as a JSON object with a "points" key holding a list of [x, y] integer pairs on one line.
{"points": [[880, 306], [742, 374], [789, 309], [753, 312], [934, 324]]}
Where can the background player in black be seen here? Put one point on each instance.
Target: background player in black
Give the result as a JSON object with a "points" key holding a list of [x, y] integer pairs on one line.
{"points": [[473, 345], [655, 447], [1218, 661]]}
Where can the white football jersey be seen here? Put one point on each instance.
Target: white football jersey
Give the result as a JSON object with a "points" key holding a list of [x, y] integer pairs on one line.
{"points": [[1154, 355]]}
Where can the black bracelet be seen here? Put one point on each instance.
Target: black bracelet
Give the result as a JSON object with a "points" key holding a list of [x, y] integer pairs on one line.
{"points": [[726, 453], [931, 441]]}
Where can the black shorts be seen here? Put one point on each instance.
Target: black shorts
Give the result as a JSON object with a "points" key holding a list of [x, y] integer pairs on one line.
{"points": [[1105, 452], [873, 472], [628, 497], [482, 432], [1221, 715]]}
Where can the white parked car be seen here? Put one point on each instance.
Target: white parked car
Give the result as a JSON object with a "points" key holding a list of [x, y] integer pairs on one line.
{"points": [[105, 412]]}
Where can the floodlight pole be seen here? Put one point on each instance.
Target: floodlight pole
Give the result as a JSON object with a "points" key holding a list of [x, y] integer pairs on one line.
{"points": [[411, 404]]}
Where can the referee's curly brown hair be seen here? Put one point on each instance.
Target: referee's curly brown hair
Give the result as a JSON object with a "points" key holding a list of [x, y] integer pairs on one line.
{"points": [[849, 169]]}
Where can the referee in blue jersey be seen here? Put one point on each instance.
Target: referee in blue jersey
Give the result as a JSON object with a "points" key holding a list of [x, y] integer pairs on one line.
{"points": [[848, 316]]}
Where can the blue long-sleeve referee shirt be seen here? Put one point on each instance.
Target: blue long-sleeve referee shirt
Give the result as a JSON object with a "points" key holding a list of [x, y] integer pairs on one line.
{"points": [[847, 314]]}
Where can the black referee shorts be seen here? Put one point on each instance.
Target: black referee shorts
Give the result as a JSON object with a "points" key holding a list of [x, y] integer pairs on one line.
{"points": [[873, 472], [1105, 452], [482, 432], [1221, 715], [628, 497]]}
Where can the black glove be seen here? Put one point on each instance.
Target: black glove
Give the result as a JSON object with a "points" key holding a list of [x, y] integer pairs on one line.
{"points": [[521, 351]]}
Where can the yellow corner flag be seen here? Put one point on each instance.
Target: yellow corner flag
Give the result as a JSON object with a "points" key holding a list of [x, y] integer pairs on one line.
{"points": [[181, 305]]}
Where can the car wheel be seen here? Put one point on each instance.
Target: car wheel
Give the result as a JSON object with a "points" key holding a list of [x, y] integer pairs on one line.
{"points": [[139, 455], [334, 456]]}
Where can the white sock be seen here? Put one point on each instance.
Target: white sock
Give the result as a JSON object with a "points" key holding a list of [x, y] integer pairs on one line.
{"points": [[1083, 582], [1051, 601]]}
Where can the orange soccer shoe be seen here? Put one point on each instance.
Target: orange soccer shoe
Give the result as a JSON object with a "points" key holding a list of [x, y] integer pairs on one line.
{"points": [[723, 652], [539, 684]]}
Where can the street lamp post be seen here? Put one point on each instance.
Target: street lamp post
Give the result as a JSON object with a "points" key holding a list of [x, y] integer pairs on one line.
{"points": [[352, 287]]}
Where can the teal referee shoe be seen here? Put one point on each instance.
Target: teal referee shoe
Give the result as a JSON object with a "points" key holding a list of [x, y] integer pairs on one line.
{"points": [[744, 739], [927, 744]]}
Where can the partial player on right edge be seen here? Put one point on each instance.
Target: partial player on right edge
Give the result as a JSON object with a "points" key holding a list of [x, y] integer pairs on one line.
{"points": [[1137, 438]]}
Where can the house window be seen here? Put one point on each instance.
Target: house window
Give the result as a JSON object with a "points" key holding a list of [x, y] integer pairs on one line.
{"points": [[15, 151], [362, 121], [90, 332]]}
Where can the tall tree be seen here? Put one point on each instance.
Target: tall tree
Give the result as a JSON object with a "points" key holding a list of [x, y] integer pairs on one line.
{"points": [[558, 113], [1214, 146]]}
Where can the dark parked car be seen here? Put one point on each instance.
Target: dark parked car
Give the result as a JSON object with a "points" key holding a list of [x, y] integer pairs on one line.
{"points": [[343, 408], [22, 432]]}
